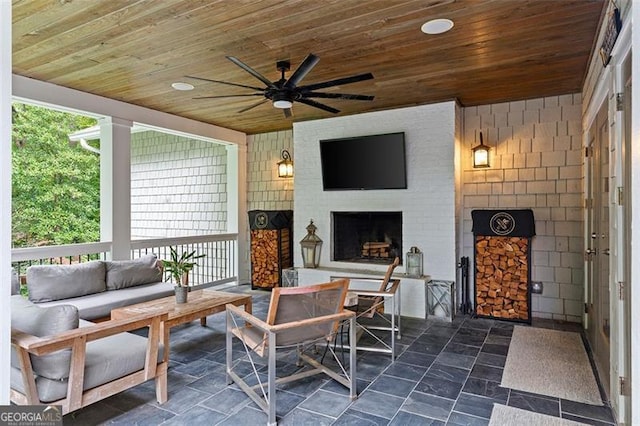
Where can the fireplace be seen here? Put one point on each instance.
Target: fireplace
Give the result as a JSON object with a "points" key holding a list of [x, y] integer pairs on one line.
{"points": [[366, 237]]}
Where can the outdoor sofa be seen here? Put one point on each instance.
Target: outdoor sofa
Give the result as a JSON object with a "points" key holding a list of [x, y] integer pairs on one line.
{"points": [[58, 358], [97, 287]]}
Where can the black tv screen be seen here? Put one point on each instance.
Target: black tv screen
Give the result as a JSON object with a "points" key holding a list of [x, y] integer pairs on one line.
{"points": [[366, 162]]}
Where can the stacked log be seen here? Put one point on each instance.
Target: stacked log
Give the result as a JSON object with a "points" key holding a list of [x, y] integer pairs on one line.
{"points": [[502, 273], [269, 254], [375, 249]]}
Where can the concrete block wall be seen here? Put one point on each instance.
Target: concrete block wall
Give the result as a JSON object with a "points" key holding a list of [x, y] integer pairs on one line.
{"points": [[178, 186], [536, 162]]}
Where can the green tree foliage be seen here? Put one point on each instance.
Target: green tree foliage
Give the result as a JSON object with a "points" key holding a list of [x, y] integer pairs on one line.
{"points": [[56, 186]]}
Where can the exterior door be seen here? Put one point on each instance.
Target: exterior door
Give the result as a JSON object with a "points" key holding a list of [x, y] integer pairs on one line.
{"points": [[597, 247]]}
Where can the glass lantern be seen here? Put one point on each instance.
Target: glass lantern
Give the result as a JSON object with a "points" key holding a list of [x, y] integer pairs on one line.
{"points": [[311, 246], [414, 263]]}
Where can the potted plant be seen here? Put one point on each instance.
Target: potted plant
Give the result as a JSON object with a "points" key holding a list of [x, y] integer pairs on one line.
{"points": [[177, 270]]}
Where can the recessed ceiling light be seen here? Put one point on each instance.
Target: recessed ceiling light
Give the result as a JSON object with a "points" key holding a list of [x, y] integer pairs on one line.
{"points": [[182, 86], [437, 26]]}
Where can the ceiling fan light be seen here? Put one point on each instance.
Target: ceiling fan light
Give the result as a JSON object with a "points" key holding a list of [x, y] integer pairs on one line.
{"points": [[282, 100], [282, 104]]}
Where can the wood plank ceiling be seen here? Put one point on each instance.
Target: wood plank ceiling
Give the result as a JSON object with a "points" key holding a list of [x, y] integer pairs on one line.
{"points": [[132, 51]]}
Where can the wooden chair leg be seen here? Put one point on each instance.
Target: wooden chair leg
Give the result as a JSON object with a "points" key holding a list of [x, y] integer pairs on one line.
{"points": [[161, 385]]}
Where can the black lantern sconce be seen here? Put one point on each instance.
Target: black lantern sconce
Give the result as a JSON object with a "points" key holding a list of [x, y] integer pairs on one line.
{"points": [[285, 167], [481, 155]]}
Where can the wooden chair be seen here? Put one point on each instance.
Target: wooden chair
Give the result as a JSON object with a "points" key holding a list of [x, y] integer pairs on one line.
{"points": [[371, 305], [77, 340], [298, 317]]}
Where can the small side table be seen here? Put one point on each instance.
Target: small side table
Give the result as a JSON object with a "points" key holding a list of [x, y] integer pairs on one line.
{"points": [[441, 299], [290, 277]]}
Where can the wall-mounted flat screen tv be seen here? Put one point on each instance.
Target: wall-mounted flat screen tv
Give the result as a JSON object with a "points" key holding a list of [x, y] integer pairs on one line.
{"points": [[365, 162]]}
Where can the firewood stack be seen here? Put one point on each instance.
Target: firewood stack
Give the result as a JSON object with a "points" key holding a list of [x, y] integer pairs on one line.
{"points": [[502, 260], [268, 248], [502, 271], [375, 249], [271, 246]]}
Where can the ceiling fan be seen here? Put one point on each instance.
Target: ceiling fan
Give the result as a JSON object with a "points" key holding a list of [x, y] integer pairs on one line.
{"points": [[282, 93]]}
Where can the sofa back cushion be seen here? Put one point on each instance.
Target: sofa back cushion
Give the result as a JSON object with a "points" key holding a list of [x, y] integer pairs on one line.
{"points": [[131, 273], [55, 282], [15, 282], [40, 321]]}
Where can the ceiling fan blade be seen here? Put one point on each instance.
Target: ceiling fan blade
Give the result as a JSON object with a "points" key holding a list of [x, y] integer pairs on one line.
{"points": [[224, 82], [303, 69], [253, 106], [337, 96], [318, 105], [287, 112], [337, 82], [228, 96], [251, 71]]}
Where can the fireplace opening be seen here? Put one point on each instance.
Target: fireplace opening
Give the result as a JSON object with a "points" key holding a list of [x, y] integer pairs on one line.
{"points": [[366, 237]]}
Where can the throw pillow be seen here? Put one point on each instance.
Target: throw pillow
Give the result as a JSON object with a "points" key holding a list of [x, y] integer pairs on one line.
{"points": [[39, 321], [55, 282], [130, 273]]}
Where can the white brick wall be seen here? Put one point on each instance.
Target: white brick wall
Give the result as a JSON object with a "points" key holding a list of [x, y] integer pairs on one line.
{"points": [[178, 186], [428, 205], [536, 162]]}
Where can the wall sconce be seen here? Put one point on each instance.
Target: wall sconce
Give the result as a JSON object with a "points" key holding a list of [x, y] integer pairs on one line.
{"points": [[481, 155], [311, 245], [285, 167]]}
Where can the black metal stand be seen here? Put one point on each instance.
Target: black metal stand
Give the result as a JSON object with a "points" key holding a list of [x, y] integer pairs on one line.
{"points": [[465, 306]]}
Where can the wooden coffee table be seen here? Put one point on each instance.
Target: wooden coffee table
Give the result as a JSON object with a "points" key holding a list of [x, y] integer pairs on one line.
{"points": [[200, 303]]}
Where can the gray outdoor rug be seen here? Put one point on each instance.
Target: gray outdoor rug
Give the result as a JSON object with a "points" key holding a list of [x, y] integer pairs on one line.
{"points": [[510, 416], [550, 362]]}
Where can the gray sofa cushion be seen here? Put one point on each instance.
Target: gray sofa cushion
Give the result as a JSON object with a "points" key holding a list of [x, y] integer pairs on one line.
{"points": [[99, 305], [130, 273], [39, 321], [15, 282], [107, 359], [55, 282]]}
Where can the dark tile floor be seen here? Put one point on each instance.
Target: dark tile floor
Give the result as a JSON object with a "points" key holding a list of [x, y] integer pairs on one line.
{"points": [[446, 373]]}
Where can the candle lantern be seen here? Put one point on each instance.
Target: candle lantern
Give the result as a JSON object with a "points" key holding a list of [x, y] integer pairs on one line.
{"points": [[414, 262], [311, 245]]}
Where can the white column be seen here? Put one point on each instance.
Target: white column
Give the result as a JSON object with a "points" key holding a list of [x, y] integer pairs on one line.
{"points": [[5, 197], [115, 186], [237, 206]]}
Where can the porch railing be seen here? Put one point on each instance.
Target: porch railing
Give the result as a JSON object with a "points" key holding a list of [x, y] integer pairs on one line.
{"points": [[217, 267]]}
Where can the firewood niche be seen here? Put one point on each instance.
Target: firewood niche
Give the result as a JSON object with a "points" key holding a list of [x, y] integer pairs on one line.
{"points": [[503, 263], [271, 246]]}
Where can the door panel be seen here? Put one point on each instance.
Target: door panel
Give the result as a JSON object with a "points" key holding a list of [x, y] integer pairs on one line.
{"points": [[597, 251]]}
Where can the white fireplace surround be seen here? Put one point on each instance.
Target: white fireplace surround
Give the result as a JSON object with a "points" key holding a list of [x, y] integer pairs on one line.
{"points": [[428, 204]]}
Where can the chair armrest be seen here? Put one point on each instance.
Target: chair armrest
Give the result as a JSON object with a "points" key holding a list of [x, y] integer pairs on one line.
{"points": [[255, 321], [48, 344], [312, 321], [375, 293], [286, 326]]}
